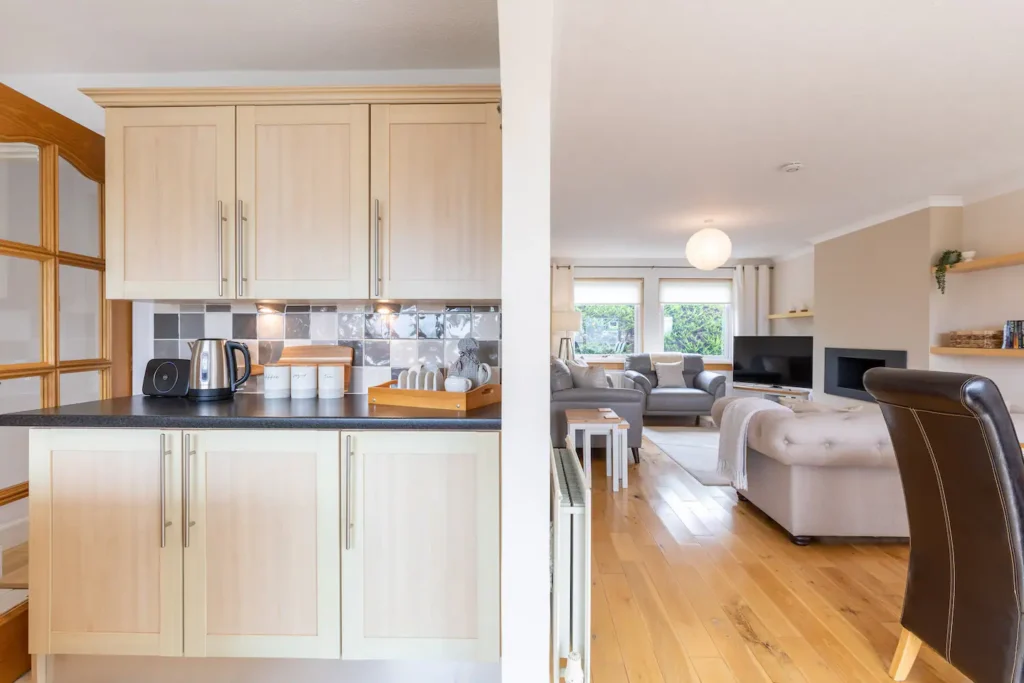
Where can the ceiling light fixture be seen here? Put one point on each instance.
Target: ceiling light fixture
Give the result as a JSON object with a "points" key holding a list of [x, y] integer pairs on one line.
{"points": [[791, 167], [709, 248]]}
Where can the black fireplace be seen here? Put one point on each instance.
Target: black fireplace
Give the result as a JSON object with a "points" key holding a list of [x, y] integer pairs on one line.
{"points": [[845, 368]]}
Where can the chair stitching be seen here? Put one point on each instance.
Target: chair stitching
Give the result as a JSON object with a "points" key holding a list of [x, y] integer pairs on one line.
{"points": [[949, 532]]}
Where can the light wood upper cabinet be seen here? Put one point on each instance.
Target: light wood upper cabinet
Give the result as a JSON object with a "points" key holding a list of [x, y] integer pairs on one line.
{"points": [[303, 184], [105, 542], [436, 173], [262, 568], [421, 546], [170, 190]]}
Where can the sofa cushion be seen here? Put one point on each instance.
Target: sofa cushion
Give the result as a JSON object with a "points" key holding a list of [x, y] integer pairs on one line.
{"points": [[560, 376], [679, 400], [601, 398], [693, 365], [586, 377], [641, 362], [670, 375], [834, 439]]}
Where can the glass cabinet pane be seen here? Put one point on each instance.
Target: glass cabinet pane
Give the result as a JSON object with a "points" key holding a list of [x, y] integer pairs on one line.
{"points": [[79, 313], [20, 311], [78, 212], [19, 192], [17, 395], [79, 387]]}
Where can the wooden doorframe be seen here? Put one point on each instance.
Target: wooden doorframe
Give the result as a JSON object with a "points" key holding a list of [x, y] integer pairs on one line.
{"points": [[22, 119]]}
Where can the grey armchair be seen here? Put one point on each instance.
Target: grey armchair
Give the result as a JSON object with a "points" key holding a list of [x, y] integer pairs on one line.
{"points": [[702, 389], [627, 403]]}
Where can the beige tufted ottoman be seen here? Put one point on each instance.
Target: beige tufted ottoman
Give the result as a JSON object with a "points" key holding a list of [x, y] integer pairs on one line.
{"points": [[824, 473]]}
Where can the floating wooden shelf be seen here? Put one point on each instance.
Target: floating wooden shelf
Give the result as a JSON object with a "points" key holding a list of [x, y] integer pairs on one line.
{"points": [[795, 314], [1004, 261], [997, 353]]}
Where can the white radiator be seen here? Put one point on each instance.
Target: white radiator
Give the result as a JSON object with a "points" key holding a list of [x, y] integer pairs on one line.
{"points": [[570, 557]]}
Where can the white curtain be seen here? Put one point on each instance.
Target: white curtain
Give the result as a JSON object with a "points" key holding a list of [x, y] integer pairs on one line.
{"points": [[563, 297], [751, 296], [763, 300]]}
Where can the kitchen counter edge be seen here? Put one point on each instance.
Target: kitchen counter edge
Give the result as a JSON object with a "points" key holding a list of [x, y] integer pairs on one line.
{"points": [[252, 411]]}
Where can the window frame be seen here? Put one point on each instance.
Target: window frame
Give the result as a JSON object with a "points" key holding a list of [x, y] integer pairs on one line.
{"points": [[638, 330], [727, 324]]}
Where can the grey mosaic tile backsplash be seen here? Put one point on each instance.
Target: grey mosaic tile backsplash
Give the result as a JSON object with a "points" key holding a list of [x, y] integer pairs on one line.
{"points": [[385, 338]]}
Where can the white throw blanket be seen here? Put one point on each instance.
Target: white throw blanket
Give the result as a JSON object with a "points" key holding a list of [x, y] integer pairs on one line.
{"points": [[732, 442]]}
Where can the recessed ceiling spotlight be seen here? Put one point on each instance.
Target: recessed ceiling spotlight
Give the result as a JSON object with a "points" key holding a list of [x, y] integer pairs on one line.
{"points": [[791, 167]]}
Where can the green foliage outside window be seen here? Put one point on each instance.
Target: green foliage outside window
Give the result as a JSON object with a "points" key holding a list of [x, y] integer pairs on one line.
{"points": [[607, 328], [694, 328]]}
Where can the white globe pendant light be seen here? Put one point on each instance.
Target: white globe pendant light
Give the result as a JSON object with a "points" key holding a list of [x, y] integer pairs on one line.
{"points": [[708, 249]]}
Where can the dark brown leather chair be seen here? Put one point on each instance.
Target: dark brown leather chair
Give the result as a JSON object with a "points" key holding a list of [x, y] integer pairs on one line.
{"points": [[963, 480]]}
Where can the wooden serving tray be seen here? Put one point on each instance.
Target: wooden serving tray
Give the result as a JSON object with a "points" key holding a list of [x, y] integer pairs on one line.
{"points": [[386, 395]]}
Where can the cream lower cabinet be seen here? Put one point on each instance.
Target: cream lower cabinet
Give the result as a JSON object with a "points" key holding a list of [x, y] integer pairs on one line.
{"points": [[262, 552], [115, 570], [421, 546], [105, 542]]}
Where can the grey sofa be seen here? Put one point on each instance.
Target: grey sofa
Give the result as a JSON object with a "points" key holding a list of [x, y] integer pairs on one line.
{"points": [[627, 403], [702, 386]]}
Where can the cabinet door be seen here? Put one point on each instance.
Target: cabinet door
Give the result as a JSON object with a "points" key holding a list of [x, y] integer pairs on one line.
{"points": [[262, 566], [170, 194], [421, 541], [436, 173], [303, 184], [105, 542]]}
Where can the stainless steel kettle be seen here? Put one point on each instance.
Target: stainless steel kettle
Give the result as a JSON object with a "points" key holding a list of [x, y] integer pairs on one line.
{"points": [[213, 375]]}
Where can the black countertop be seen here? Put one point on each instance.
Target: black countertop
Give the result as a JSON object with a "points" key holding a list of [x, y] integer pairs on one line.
{"points": [[252, 411]]}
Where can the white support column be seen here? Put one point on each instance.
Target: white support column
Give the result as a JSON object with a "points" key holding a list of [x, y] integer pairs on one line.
{"points": [[525, 34]]}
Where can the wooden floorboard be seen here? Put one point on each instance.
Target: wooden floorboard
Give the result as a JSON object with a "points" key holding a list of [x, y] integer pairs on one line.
{"points": [[691, 585]]}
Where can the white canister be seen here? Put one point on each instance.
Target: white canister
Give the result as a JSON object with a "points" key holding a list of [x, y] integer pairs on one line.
{"points": [[331, 381], [277, 381], [303, 381]]}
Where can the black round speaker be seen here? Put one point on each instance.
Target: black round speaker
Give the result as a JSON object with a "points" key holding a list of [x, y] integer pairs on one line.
{"points": [[165, 377]]}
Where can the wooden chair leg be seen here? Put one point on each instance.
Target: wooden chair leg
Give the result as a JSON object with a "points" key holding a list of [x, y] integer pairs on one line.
{"points": [[906, 653]]}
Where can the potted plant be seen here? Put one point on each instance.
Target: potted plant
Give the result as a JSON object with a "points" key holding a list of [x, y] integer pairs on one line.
{"points": [[948, 258]]}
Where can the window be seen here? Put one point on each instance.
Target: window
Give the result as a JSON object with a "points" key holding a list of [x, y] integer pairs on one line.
{"points": [[696, 316], [611, 315]]}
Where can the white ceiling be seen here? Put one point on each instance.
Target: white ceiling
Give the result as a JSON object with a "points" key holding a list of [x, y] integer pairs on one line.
{"points": [[72, 36], [667, 113]]}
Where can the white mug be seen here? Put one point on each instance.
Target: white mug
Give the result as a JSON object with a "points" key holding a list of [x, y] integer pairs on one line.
{"points": [[303, 381], [331, 381], [277, 381]]}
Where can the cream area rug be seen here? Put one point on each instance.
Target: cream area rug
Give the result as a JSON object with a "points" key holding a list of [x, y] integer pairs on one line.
{"points": [[695, 449]]}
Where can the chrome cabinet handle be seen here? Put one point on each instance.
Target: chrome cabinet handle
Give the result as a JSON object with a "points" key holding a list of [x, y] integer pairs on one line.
{"points": [[163, 491], [377, 276], [240, 247], [348, 492], [187, 521], [220, 248]]}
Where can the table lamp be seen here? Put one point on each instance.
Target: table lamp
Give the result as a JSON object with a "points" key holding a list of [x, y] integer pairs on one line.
{"points": [[567, 322]]}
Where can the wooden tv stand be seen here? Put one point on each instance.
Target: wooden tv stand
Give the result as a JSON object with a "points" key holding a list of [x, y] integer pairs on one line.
{"points": [[773, 393]]}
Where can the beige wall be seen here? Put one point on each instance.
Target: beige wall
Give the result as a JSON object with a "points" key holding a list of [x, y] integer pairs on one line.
{"points": [[871, 291], [985, 299], [793, 287]]}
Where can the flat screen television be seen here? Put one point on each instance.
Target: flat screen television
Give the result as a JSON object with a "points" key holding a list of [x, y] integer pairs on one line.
{"points": [[785, 361]]}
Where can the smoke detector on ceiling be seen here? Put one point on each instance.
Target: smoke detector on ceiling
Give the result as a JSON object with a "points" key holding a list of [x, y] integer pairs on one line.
{"points": [[791, 167]]}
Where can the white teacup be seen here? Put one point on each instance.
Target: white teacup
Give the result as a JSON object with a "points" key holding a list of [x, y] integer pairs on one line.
{"points": [[462, 384]]}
